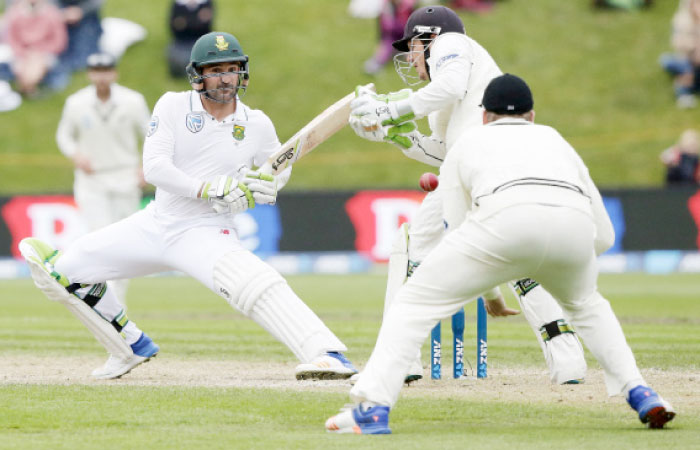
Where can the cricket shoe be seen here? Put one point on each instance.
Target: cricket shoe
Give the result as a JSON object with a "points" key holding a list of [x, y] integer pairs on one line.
{"points": [[329, 366], [653, 410], [144, 349], [360, 419]]}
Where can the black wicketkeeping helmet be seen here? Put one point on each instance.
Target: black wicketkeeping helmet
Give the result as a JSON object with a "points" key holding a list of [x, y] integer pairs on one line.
{"points": [[429, 20]]}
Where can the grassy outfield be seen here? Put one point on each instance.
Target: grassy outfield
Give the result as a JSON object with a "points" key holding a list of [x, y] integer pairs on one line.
{"points": [[594, 75], [197, 329]]}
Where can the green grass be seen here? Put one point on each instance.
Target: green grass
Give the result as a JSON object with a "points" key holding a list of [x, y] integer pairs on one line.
{"points": [[658, 313], [594, 75]]}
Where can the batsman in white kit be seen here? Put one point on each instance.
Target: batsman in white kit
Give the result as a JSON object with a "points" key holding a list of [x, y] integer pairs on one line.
{"points": [[435, 48], [200, 149], [518, 202]]}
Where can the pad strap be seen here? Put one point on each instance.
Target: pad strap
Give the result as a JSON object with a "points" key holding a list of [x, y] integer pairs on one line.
{"points": [[525, 285], [553, 329]]}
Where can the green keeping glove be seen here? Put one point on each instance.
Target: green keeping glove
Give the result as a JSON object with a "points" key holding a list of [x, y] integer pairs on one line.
{"points": [[401, 134], [386, 109]]}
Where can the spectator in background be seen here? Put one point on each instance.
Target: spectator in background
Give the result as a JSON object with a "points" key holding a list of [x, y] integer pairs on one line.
{"points": [[681, 160], [392, 20], [189, 19], [684, 63], [101, 130], [36, 34], [82, 17], [476, 6]]}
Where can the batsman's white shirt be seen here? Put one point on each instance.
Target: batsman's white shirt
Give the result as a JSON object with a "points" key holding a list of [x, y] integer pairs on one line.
{"points": [[519, 203], [186, 147]]}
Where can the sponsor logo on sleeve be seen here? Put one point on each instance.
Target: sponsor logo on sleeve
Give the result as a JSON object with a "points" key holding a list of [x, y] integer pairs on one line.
{"points": [[152, 126], [444, 59]]}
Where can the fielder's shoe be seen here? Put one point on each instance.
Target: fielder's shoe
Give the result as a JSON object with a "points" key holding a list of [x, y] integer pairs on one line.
{"points": [[653, 410], [144, 349], [360, 420], [330, 366]]}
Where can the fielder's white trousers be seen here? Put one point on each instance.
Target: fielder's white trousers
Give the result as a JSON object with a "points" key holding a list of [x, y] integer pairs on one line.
{"points": [[552, 244]]}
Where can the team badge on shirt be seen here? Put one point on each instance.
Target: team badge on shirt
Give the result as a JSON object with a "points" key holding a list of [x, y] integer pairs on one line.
{"points": [[238, 132], [152, 126], [195, 122]]}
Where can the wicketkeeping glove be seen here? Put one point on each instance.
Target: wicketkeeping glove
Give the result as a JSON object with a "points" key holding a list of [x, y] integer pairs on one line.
{"points": [[404, 135], [227, 195], [386, 109]]}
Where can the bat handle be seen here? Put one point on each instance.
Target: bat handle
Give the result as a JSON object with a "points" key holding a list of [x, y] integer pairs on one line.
{"points": [[266, 168]]}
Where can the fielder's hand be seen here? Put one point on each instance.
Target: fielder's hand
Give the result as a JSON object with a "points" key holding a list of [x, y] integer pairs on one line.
{"points": [[390, 109], [496, 307], [227, 195], [262, 186]]}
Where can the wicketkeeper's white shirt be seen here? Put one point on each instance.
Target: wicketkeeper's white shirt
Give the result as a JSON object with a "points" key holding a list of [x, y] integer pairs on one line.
{"points": [[460, 70]]}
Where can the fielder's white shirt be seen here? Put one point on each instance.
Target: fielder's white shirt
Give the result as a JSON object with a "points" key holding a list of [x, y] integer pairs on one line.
{"points": [[108, 133], [460, 70], [186, 146], [510, 154]]}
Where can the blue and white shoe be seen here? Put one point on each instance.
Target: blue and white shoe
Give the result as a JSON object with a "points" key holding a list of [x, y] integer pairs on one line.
{"points": [[653, 410], [329, 366], [360, 420], [144, 349]]}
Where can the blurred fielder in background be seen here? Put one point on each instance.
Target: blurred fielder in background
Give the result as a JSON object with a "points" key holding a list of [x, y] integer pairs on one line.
{"points": [[101, 131], [199, 151], [518, 202], [436, 49]]}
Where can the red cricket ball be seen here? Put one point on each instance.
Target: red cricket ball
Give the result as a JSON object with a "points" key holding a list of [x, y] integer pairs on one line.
{"points": [[428, 182]]}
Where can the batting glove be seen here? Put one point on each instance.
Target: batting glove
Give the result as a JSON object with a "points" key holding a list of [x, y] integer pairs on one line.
{"points": [[404, 135], [390, 109], [227, 195], [367, 127], [262, 186]]}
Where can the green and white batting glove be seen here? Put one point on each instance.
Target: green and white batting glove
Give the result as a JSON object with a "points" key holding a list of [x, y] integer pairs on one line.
{"points": [[386, 109], [367, 127], [262, 186], [227, 195]]}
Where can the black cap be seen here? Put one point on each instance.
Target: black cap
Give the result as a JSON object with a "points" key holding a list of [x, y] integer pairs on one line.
{"points": [[101, 61], [431, 20], [507, 95]]}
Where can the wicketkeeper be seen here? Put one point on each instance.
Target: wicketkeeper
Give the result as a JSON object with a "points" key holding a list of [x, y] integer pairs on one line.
{"points": [[199, 151], [436, 49]]}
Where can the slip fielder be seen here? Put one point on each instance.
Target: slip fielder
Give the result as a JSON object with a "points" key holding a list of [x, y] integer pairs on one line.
{"points": [[199, 151], [436, 49]]}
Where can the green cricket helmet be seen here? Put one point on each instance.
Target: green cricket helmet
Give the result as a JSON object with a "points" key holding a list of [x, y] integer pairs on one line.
{"points": [[216, 47]]}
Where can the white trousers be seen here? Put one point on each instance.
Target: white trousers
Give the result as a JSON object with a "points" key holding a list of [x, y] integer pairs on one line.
{"points": [[552, 244], [100, 208]]}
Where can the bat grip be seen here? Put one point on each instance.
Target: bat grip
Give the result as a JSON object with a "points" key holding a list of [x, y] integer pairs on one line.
{"points": [[266, 168]]}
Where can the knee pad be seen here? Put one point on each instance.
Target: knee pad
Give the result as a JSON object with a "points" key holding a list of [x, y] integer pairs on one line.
{"points": [[241, 278]]}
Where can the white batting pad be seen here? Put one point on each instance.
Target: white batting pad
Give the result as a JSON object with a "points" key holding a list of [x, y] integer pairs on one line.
{"points": [[564, 353], [259, 292], [103, 331]]}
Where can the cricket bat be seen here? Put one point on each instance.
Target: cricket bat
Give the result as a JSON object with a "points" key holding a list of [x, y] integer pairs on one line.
{"points": [[323, 126]]}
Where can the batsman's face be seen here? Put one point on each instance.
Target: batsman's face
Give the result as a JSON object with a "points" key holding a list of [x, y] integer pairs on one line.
{"points": [[221, 80], [416, 56]]}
